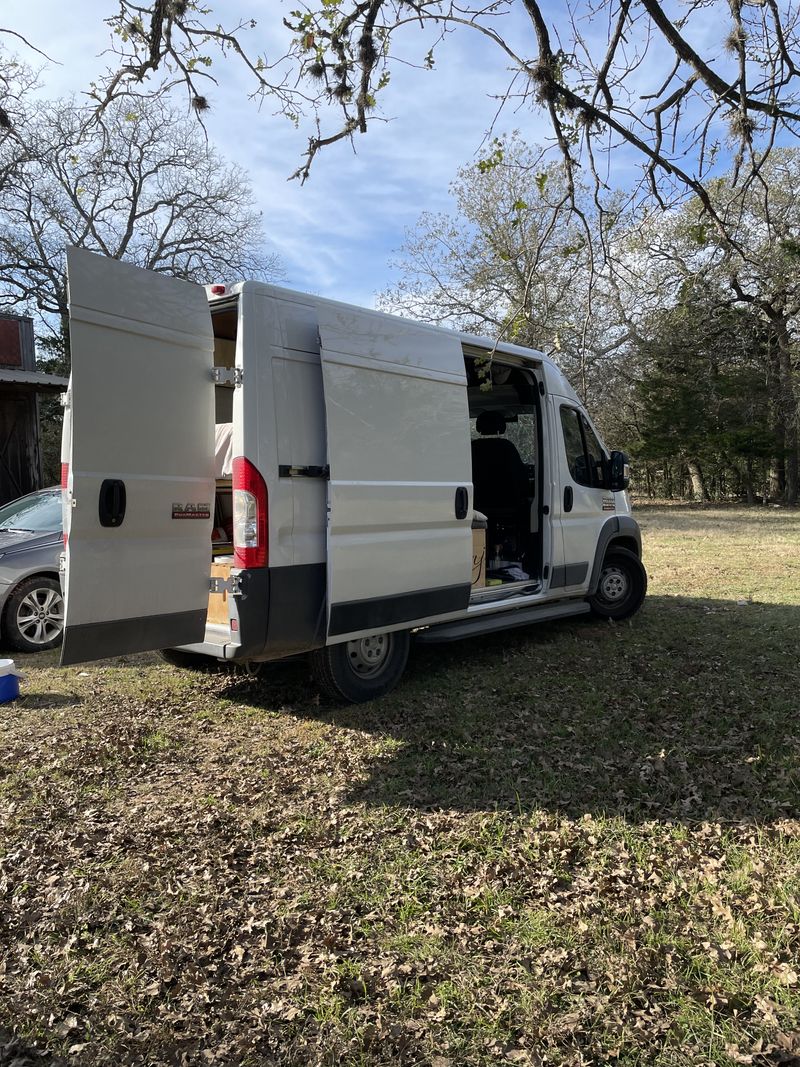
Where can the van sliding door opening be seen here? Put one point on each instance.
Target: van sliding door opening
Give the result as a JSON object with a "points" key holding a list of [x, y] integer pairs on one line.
{"points": [[507, 471]]}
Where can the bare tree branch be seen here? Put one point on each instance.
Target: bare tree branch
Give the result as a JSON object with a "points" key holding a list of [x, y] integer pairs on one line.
{"points": [[140, 185]]}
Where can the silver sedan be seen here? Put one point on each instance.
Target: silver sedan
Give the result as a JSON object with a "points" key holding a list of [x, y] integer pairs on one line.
{"points": [[31, 604]]}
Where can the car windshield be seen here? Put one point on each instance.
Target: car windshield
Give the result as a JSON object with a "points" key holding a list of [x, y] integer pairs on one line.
{"points": [[37, 513]]}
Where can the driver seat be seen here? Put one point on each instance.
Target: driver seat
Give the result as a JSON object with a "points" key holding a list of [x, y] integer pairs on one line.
{"points": [[499, 476]]}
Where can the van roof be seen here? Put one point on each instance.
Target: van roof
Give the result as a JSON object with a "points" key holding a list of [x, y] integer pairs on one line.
{"points": [[554, 378]]}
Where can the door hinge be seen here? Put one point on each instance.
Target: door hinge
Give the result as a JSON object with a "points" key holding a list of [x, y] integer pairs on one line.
{"points": [[303, 472], [232, 586], [65, 398], [228, 375]]}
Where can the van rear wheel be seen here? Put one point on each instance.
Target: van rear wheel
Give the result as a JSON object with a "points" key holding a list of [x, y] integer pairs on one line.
{"points": [[363, 669], [622, 585]]}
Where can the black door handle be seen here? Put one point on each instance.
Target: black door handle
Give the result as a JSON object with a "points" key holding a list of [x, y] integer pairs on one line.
{"points": [[462, 502], [111, 505], [567, 498]]}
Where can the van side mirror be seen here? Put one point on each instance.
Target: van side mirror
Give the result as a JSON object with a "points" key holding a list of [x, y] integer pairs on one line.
{"points": [[619, 473]]}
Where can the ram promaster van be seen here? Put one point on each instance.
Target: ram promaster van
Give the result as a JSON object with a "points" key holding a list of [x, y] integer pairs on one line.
{"points": [[250, 473]]}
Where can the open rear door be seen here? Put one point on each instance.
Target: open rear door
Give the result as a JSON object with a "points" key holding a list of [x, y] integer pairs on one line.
{"points": [[139, 444], [400, 491]]}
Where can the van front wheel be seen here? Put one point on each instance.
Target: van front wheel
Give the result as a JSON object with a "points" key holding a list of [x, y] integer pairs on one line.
{"points": [[622, 585], [361, 670]]}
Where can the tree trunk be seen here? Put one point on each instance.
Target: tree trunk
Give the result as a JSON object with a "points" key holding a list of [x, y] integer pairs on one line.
{"points": [[748, 481], [699, 492], [788, 408], [776, 483]]}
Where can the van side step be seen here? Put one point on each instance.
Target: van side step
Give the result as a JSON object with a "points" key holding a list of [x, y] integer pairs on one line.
{"points": [[502, 620]]}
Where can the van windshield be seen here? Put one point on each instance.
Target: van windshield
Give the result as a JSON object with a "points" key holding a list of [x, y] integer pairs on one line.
{"points": [[37, 513]]}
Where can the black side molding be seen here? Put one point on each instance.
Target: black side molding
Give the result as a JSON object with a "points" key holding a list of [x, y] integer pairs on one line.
{"points": [[378, 612], [568, 574], [121, 637]]}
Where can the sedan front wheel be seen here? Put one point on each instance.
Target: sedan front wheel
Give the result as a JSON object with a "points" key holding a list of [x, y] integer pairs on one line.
{"points": [[35, 615]]}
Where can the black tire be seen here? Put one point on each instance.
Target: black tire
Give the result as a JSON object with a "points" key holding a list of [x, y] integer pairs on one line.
{"points": [[622, 585], [356, 671], [193, 661], [34, 616]]}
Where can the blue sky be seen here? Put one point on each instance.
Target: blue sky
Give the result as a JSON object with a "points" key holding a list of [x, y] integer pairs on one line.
{"points": [[337, 233]]}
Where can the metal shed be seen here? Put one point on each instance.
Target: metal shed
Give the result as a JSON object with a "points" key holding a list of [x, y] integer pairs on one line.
{"points": [[20, 387]]}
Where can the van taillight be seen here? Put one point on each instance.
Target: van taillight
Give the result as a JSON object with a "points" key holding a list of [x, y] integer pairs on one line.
{"points": [[250, 526]]}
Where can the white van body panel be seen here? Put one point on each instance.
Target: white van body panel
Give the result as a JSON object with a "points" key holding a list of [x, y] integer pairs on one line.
{"points": [[142, 396], [399, 453]]}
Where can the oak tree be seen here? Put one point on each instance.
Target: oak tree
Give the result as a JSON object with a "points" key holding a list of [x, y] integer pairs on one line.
{"points": [[140, 184]]}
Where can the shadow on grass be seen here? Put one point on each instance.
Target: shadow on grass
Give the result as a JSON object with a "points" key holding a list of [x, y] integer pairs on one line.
{"points": [[14, 1052], [687, 712], [44, 701]]}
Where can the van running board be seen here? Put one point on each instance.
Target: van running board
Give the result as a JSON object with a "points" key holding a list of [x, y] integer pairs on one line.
{"points": [[501, 620]]}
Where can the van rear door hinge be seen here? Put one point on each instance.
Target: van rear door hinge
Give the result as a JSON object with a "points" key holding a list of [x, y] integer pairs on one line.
{"points": [[228, 375], [232, 586]]}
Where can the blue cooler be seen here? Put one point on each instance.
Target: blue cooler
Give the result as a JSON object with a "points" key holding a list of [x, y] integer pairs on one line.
{"points": [[9, 681]]}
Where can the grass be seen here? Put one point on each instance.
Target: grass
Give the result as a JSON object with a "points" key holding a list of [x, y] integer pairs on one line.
{"points": [[577, 844]]}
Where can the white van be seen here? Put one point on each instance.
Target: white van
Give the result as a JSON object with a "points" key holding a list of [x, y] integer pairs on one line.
{"points": [[252, 473]]}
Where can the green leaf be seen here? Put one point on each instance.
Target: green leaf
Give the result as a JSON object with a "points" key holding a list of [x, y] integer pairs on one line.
{"points": [[494, 160], [791, 246]]}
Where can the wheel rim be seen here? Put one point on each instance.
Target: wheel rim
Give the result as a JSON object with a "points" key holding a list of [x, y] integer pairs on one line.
{"points": [[40, 616], [614, 584], [368, 656]]}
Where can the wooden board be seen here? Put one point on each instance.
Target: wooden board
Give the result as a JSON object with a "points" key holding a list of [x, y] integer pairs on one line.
{"points": [[218, 602], [478, 558]]}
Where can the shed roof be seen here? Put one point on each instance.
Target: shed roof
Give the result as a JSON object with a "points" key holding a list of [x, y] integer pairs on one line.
{"points": [[35, 379]]}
